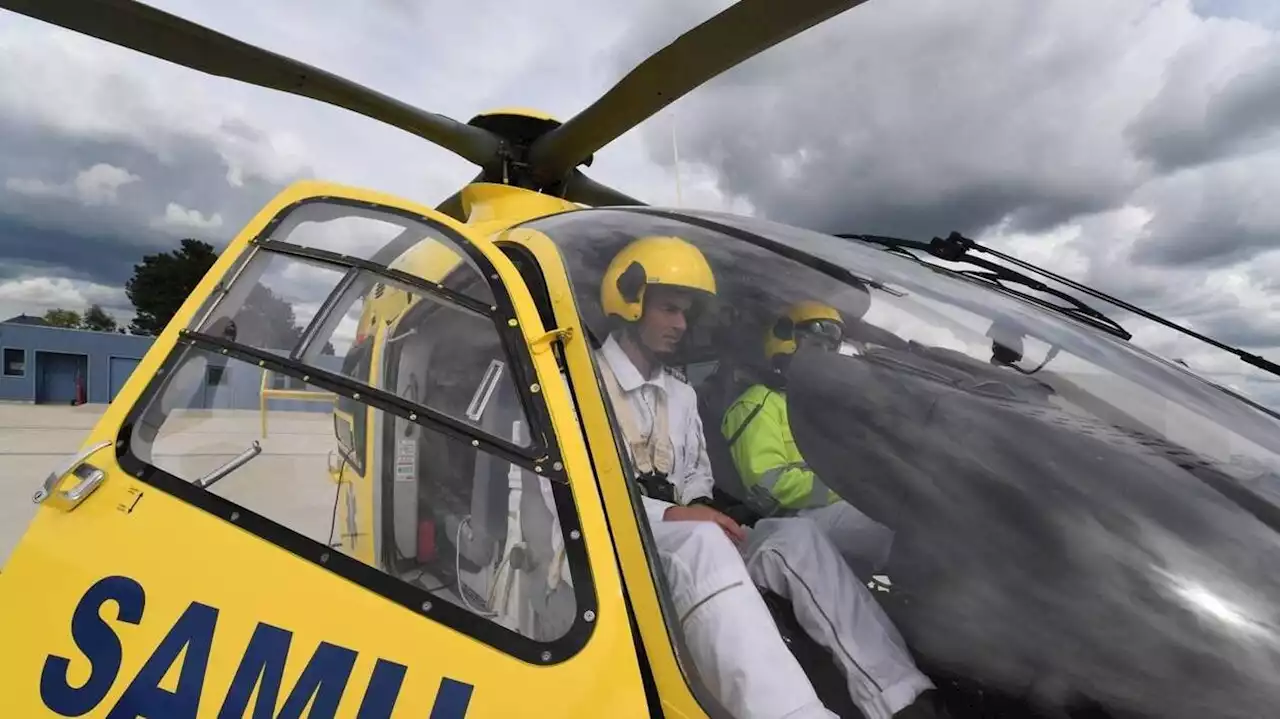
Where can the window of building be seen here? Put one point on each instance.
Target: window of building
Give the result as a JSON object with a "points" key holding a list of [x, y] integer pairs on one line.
{"points": [[216, 376], [15, 362]]}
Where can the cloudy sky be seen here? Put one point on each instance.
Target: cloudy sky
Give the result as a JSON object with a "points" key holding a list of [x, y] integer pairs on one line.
{"points": [[1133, 144]]}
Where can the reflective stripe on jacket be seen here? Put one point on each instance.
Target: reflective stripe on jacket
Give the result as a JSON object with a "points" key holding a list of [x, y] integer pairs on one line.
{"points": [[765, 454]]}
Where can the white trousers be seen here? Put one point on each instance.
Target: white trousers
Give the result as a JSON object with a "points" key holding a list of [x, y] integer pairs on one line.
{"points": [[862, 541], [795, 558], [734, 643]]}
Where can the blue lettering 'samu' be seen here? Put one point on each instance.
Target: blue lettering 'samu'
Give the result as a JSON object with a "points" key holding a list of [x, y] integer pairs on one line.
{"points": [[144, 697], [383, 690], [452, 699], [96, 640], [325, 676], [321, 685]]}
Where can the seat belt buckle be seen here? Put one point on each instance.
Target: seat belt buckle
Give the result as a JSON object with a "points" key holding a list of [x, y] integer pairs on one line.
{"points": [[655, 486], [762, 502]]}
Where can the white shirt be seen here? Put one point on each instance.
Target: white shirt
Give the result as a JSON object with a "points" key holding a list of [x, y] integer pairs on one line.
{"points": [[691, 467]]}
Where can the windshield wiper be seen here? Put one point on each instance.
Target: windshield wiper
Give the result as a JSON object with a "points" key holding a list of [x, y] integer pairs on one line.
{"points": [[997, 275], [956, 248]]}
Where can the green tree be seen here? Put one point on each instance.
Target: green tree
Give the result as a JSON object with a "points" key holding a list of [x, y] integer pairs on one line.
{"points": [[162, 283], [62, 318], [95, 318], [272, 318], [265, 320]]}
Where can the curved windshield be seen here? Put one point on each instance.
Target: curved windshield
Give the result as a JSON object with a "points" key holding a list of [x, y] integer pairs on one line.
{"points": [[1078, 525]]}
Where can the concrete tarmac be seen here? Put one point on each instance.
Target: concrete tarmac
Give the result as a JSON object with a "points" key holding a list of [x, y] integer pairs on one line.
{"points": [[287, 482]]}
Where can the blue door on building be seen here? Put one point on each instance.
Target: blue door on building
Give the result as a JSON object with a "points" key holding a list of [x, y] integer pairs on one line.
{"points": [[57, 374], [119, 370]]}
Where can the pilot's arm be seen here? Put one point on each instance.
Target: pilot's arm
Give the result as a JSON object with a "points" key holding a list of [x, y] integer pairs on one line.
{"points": [[766, 456], [654, 509]]}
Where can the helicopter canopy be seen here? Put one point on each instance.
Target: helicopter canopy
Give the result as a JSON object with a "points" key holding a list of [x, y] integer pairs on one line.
{"points": [[1086, 526]]}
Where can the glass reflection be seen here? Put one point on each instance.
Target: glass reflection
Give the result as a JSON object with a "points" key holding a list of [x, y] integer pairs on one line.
{"points": [[1079, 526], [1212, 606]]}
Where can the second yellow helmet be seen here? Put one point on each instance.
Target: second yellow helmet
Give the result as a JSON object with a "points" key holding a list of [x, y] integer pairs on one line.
{"points": [[653, 260], [780, 339]]}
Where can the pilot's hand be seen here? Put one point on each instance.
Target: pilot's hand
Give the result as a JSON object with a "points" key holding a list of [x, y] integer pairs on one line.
{"points": [[702, 513]]}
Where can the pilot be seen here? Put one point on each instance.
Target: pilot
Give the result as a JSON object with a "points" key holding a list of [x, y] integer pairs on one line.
{"points": [[712, 564], [776, 477]]}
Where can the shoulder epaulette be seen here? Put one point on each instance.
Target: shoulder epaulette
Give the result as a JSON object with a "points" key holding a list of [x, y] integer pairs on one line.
{"points": [[677, 373]]}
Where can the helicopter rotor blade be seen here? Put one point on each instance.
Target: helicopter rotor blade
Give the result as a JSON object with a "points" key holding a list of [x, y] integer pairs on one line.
{"points": [[745, 29], [584, 190], [168, 37]]}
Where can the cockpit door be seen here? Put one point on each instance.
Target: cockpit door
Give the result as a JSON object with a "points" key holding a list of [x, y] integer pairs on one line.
{"points": [[187, 561]]}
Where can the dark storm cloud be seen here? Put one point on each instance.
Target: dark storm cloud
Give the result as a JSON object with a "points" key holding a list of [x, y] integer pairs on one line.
{"points": [[1267, 274], [913, 118], [1216, 216], [1189, 297], [100, 241], [920, 118], [168, 142], [1247, 329], [33, 251], [1177, 130], [1214, 236]]}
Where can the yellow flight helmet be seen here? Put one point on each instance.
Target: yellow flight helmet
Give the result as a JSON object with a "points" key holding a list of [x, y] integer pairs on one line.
{"points": [[780, 339], [653, 260]]}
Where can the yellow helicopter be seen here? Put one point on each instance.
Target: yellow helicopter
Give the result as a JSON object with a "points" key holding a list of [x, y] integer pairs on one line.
{"points": [[1082, 528]]}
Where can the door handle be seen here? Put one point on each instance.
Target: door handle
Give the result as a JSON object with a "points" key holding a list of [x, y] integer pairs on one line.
{"points": [[90, 477]]}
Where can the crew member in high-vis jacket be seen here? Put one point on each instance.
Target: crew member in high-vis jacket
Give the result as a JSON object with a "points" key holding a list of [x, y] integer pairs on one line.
{"points": [[775, 475], [712, 564]]}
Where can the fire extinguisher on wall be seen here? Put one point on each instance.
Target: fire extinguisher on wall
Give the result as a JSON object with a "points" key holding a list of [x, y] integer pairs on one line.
{"points": [[80, 391]]}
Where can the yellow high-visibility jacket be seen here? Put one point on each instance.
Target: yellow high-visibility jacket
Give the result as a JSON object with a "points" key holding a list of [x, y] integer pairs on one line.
{"points": [[765, 454]]}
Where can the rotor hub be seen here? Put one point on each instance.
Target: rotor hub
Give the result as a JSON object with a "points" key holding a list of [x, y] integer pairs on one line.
{"points": [[518, 128]]}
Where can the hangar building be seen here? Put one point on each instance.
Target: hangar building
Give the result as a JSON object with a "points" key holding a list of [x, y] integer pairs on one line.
{"points": [[54, 365]]}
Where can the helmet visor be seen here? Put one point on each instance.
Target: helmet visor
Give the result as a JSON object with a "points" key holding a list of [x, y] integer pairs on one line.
{"points": [[824, 334]]}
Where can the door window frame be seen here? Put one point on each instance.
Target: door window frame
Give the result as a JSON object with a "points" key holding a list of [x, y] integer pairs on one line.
{"points": [[542, 456], [671, 679], [354, 448]]}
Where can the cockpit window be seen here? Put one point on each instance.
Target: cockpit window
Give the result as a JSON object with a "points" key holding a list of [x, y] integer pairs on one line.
{"points": [[319, 313], [370, 234], [375, 411], [1078, 525]]}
